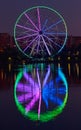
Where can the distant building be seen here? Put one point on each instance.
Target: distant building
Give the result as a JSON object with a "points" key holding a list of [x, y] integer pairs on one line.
{"points": [[6, 41]]}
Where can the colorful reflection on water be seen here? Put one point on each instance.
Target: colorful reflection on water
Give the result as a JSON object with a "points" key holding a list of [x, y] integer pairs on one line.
{"points": [[8, 73], [40, 91], [68, 117]]}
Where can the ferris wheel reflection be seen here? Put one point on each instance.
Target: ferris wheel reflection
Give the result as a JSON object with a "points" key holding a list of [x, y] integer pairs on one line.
{"points": [[41, 91]]}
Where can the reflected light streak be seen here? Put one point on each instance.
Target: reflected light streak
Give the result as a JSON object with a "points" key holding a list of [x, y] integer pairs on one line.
{"points": [[14, 76], [58, 65], [77, 69], [2, 75], [46, 77], [39, 82], [9, 67], [69, 69], [32, 103]]}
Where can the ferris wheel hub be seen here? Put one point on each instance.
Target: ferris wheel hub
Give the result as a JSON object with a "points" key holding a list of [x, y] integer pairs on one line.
{"points": [[40, 32]]}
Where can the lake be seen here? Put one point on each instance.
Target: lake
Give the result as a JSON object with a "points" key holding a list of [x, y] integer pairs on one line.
{"points": [[41, 74]]}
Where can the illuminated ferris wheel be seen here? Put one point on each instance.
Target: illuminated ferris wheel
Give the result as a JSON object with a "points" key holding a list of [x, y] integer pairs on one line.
{"points": [[40, 31]]}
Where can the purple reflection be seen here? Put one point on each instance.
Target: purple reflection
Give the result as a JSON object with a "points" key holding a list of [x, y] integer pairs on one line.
{"points": [[31, 92]]}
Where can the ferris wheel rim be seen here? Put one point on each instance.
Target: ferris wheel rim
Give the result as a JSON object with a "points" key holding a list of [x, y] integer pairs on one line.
{"points": [[45, 7]]}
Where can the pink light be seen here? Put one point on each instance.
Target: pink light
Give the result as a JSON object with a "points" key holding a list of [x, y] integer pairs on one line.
{"points": [[23, 27], [39, 19], [51, 26], [32, 103], [39, 82], [31, 22], [19, 38]]}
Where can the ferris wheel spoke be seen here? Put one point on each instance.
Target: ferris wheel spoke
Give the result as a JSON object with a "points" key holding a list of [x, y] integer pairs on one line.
{"points": [[51, 26], [19, 33], [46, 77], [31, 22], [41, 47], [50, 45], [58, 33], [57, 44], [53, 41], [39, 82], [38, 44], [33, 47], [24, 27], [46, 46], [32, 50], [30, 43], [18, 38], [25, 42], [45, 24], [50, 41], [55, 38], [50, 35], [39, 21]]}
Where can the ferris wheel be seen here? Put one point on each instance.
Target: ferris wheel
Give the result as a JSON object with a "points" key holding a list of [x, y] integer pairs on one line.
{"points": [[40, 31]]}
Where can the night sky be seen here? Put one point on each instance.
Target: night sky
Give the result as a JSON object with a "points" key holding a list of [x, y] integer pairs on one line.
{"points": [[69, 9]]}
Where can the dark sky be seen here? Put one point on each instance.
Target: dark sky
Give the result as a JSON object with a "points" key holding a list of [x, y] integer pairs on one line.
{"points": [[69, 9]]}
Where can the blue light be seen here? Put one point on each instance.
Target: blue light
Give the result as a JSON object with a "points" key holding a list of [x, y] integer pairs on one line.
{"points": [[45, 24], [49, 93], [51, 26], [52, 89]]}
